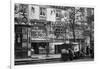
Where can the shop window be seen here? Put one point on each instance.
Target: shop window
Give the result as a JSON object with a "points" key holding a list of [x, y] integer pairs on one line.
{"points": [[18, 29], [24, 32], [24, 44], [42, 50], [42, 11]]}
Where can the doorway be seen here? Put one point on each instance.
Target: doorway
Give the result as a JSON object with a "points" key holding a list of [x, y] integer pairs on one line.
{"points": [[39, 47], [35, 47]]}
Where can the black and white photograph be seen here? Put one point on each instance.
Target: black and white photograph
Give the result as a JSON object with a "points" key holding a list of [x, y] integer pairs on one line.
{"points": [[52, 34]]}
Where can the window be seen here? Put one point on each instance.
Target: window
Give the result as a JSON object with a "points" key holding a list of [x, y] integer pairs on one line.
{"points": [[57, 13], [52, 12], [16, 8], [24, 44], [23, 8], [24, 32], [42, 11], [32, 10]]}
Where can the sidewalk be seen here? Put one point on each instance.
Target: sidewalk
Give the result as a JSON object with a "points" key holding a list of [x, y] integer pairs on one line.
{"points": [[50, 59], [40, 57]]}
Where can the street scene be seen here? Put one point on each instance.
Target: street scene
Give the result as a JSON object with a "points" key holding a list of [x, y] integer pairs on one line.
{"points": [[52, 34]]}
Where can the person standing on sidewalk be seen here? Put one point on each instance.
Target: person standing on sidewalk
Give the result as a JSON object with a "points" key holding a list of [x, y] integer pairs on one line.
{"points": [[32, 52], [70, 54], [87, 51], [92, 52], [64, 55]]}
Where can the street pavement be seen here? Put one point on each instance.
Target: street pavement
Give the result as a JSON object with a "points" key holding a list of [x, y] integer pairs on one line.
{"points": [[41, 59]]}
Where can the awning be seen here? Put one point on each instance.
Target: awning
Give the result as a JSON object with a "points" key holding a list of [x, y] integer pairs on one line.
{"points": [[40, 40]]}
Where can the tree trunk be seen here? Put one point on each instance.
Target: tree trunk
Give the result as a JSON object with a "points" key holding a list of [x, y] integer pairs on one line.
{"points": [[73, 24], [73, 28]]}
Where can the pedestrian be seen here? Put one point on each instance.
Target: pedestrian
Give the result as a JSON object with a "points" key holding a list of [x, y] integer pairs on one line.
{"points": [[63, 51], [64, 55], [67, 55], [29, 53], [32, 52], [92, 52], [87, 50], [70, 54]]}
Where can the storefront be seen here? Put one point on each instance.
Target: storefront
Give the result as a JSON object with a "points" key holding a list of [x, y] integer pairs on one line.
{"points": [[39, 47], [22, 40]]}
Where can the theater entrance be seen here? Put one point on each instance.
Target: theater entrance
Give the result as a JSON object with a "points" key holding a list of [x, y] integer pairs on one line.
{"points": [[39, 47]]}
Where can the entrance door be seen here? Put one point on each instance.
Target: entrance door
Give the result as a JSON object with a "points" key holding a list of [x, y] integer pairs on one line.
{"points": [[35, 47], [40, 47], [57, 49]]}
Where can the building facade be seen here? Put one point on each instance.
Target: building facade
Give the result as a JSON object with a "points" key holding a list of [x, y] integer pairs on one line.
{"points": [[41, 28]]}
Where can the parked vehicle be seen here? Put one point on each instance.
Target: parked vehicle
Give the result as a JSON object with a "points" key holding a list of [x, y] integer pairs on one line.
{"points": [[73, 50]]}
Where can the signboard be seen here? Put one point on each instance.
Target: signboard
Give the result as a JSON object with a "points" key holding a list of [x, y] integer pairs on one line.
{"points": [[38, 32], [76, 48]]}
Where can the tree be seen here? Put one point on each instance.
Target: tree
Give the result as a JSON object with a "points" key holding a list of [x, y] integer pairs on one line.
{"points": [[73, 25], [90, 25]]}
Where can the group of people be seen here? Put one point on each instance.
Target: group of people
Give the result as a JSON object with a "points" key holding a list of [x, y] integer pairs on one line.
{"points": [[90, 51], [67, 54]]}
